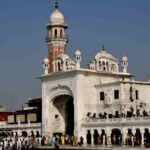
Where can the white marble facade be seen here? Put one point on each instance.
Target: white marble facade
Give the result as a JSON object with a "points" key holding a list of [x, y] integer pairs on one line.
{"points": [[104, 96]]}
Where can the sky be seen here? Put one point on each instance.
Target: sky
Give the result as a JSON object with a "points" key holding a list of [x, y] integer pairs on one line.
{"points": [[123, 26]]}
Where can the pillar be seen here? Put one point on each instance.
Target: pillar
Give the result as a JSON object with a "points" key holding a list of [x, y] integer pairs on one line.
{"points": [[108, 136], [142, 133], [133, 132], [124, 135], [92, 138], [28, 130]]}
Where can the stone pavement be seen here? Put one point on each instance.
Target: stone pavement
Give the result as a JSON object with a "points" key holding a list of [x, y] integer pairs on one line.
{"points": [[66, 147]]}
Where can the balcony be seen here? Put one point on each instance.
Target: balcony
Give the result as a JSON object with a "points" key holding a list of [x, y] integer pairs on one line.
{"points": [[97, 122], [49, 39], [20, 126]]}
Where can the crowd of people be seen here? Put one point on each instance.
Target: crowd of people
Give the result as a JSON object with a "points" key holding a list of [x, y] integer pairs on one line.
{"points": [[19, 142], [31, 142], [62, 139]]}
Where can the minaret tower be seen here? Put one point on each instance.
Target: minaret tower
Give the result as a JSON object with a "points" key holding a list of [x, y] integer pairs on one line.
{"points": [[56, 38]]}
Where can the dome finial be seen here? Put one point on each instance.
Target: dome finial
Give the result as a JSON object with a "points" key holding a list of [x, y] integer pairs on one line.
{"points": [[56, 4], [103, 47]]}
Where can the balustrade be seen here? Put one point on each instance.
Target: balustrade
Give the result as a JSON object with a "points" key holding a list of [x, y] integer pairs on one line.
{"points": [[27, 125], [116, 120]]}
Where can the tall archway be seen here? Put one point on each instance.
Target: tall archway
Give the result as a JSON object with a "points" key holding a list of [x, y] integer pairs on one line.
{"points": [[64, 111]]}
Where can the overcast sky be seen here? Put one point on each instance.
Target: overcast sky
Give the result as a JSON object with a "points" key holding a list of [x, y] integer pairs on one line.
{"points": [[122, 25]]}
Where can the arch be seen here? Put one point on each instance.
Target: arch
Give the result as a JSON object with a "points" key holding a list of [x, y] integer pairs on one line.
{"points": [[95, 136], [59, 66], [100, 63], [116, 136], [107, 66], [88, 137], [55, 32], [138, 137], [37, 134], [62, 109], [24, 133], [32, 134], [61, 33], [113, 68], [103, 66], [63, 114], [146, 136], [103, 137], [66, 63], [59, 90]]}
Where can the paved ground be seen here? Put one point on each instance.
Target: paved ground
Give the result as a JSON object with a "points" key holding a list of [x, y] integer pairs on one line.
{"points": [[93, 148]]}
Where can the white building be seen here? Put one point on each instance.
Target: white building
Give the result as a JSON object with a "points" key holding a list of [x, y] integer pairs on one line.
{"points": [[103, 98], [25, 121]]}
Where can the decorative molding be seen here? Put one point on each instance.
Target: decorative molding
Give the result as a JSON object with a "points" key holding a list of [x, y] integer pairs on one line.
{"points": [[59, 90]]}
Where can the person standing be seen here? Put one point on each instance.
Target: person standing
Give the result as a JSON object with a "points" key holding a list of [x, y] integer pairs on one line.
{"points": [[19, 144], [63, 139], [81, 140]]}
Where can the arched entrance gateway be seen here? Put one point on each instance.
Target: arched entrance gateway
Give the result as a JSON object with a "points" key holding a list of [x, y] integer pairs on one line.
{"points": [[64, 114]]}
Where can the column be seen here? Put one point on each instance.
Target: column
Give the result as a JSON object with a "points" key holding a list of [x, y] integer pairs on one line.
{"points": [[142, 133], [124, 135], [133, 132], [108, 136], [29, 127], [92, 138]]}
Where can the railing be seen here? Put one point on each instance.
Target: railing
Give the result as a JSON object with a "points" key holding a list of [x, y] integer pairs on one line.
{"points": [[116, 120], [48, 39], [27, 125]]}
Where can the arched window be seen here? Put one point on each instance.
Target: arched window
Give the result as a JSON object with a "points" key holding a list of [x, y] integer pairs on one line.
{"points": [[61, 33], [66, 63], [107, 66], [55, 32], [103, 66], [59, 66], [100, 63], [112, 68]]}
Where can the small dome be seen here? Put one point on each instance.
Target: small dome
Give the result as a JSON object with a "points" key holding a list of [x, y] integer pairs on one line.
{"points": [[46, 61], [63, 57], [77, 53], [124, 58], [56, 18], [104, 54]]}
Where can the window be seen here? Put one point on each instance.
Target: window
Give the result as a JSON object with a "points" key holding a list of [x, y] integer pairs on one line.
{"points": [[55, 33], [116, 94], [32, 117], [102, 96], [66, 63], [61, 35], [99, 63], [136, 94], [112, 68], [59, 66]]}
